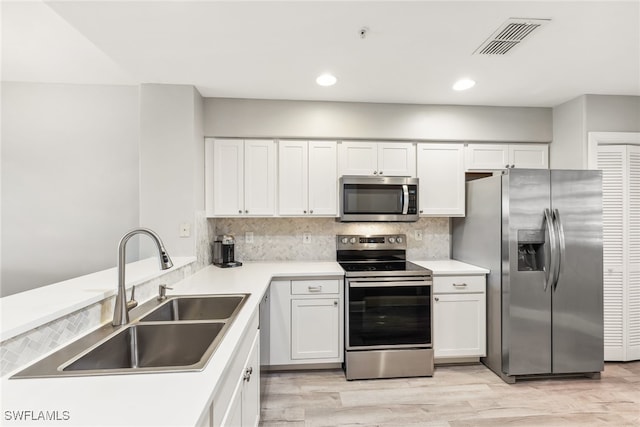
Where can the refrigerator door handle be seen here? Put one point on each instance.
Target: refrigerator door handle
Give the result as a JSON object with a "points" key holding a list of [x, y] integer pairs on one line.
{"points": [[557, 223], [550, 266]]}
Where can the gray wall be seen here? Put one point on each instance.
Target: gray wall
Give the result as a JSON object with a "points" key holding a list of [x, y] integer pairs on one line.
{"points": [[69, 179], [318, 119], [573, 120], [606, 113], [566, 151], [171, 165]]}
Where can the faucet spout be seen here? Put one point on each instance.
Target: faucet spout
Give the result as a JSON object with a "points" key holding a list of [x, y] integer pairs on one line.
{"points": [[121, 310]]}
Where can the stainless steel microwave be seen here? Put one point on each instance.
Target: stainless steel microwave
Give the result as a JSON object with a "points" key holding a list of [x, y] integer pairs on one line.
{"points": [[377, 198]]}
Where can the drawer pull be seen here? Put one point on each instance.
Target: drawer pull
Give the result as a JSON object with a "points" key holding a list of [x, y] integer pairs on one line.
{"points": [[315, 288], [460, 285]]}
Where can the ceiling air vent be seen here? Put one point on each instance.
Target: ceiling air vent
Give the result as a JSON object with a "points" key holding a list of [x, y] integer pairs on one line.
{"points": [[509, 35]]}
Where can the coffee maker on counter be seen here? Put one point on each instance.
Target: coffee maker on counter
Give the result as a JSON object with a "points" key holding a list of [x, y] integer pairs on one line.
{"points": [[223, 251]]}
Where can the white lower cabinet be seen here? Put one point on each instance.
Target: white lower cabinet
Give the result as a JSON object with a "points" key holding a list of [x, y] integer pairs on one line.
{"points": [[459, 317], [237, 402], [244, 409], [314, 323], [306, 322]]}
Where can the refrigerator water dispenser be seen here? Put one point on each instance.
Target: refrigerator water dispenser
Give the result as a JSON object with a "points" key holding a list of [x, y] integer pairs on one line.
{"points": [[530, 250]]}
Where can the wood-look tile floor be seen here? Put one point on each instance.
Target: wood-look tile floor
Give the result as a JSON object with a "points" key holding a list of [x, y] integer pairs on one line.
{"points": [[466, 395]]}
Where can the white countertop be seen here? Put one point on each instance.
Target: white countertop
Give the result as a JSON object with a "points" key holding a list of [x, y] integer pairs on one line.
{"points": [[451, 267], [165, 399], [170, 399]]}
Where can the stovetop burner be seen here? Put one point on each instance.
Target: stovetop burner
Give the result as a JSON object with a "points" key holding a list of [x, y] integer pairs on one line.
{"points": [[381, 255], [380, 266]]}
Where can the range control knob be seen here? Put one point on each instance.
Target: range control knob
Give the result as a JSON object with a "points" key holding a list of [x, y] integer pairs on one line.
{"points": [[352, 240], [392, 239], [344, 240], [399, 239]]}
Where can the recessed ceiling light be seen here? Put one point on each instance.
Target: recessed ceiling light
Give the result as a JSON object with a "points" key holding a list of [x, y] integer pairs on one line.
{"points": [[463, 84], [326, 80]]}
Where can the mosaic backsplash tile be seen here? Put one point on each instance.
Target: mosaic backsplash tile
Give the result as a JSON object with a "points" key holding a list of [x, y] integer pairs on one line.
{"points": [[280, 239]]}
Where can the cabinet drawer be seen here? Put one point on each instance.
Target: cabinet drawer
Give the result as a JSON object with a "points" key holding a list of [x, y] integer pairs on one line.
{"points": [[458, 284], [315, 287]]}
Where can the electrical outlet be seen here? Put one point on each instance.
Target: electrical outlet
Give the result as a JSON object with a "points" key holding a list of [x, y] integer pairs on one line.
{"points": [[306, 237], [417, 234], [185, 229], [248, 237]]}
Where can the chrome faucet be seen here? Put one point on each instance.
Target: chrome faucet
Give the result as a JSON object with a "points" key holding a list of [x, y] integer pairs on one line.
{"points": [[122, 306]]}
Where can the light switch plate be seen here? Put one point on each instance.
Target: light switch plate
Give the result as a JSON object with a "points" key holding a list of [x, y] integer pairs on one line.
{"points": [[185, 229]]}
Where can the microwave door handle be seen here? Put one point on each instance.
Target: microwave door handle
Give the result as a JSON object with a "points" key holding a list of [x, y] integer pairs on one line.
{"points": [[405, 199]]}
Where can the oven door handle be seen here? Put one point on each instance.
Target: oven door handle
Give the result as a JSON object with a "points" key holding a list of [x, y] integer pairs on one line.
{"points": [[388, 283], [405, 199]]}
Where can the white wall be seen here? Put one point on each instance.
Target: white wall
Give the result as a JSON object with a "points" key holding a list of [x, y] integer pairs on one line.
{"points": [[69, 179], [317, 119], [171, 165], [573, 120]]}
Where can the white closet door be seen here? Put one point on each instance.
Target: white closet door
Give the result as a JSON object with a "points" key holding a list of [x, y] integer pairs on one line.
{"points": [[611, 162], [633, 247], [620, 165]]}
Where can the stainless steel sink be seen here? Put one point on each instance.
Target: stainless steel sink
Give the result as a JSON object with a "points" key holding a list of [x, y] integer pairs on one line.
{"points": [[195, 308], [150, 346], [176, 335]]}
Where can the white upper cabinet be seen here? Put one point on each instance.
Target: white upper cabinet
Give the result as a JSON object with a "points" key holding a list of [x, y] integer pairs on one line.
{"points": [[506, 156], [240, 177], [377, 158], [323, 178], [441, 174], [307, 178]]}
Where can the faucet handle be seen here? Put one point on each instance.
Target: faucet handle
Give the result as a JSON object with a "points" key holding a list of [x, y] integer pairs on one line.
{"points": [[132, 303], [162, 292]]}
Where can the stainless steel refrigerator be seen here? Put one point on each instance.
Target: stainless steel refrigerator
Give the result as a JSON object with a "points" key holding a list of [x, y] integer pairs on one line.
{"points": [[540, 233]]}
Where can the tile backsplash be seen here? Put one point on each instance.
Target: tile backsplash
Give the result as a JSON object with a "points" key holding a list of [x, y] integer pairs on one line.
{"points": [[280, 239]]}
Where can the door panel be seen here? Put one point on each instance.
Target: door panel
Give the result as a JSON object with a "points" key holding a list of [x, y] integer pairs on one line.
{"points": [[526, 323], [577, 298]]}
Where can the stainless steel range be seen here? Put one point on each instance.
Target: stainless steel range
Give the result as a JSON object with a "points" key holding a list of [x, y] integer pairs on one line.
{"points": [[388, 311]]}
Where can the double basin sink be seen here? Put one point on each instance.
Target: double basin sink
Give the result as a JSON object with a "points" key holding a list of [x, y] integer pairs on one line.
{"points": [[178, 334]]}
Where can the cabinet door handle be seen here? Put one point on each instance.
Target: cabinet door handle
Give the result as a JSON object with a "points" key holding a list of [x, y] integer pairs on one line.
{"points": [[335, 303], [375, 172], [304, 211], [311, 211], [246, 211], [380, 172], [247, 374], [315, 288], [240, 211], [437, 299], [460, 285]]}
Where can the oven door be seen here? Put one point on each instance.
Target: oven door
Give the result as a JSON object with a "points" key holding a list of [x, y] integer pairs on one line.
{"points": [[386, 312]]}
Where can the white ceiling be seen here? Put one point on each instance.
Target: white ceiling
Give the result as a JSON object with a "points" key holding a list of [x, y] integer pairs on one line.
{"points": [[413, 52]]}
